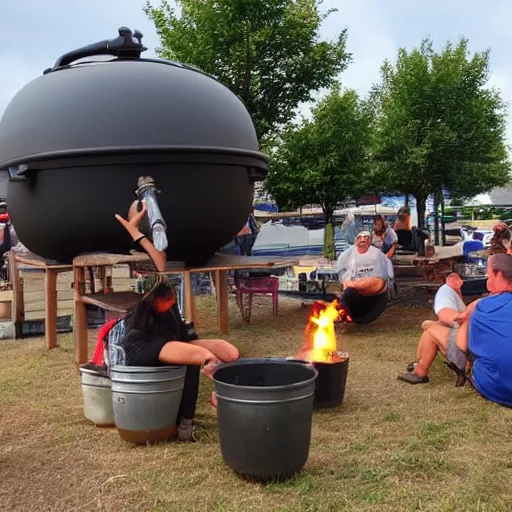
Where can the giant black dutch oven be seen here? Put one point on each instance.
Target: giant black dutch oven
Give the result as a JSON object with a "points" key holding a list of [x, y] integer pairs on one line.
{"points": [[76, 140]]}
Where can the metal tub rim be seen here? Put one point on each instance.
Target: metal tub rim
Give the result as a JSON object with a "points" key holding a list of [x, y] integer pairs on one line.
{"points": [[277, 362], [145, 369]]}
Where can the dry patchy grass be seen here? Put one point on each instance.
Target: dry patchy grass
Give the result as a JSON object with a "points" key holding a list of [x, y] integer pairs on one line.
{"points": [[390, 446]]}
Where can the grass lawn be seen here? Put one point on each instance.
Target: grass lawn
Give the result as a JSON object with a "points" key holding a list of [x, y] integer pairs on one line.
{"points": [[390, 446]]}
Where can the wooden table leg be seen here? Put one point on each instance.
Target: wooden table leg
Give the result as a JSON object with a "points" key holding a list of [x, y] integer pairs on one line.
{"points": [[18, 314], [221, 278], [188, 297], [50, 308], [80, 318]]}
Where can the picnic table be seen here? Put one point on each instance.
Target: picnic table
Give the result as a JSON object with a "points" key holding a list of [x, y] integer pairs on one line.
{"points": [[121, 302], [482, 255]]}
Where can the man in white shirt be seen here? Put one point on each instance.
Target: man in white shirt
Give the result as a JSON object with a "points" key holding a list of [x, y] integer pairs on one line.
{"points": [[440, 335], [364, 272]]}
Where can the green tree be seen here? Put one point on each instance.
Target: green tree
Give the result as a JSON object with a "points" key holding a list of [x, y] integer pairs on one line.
{"points": [[268, 52], [438, 125], [324, 160]]}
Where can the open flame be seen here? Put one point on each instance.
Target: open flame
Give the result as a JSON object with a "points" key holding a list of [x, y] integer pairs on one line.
{"points": [[320, 338]]}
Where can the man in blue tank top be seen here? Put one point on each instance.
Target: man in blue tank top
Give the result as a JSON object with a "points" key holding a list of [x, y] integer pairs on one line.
{"points": [[487, 335]]}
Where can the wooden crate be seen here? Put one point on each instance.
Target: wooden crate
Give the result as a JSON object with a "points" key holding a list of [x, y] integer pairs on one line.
{"points": [[122, 280], [32, 282]]}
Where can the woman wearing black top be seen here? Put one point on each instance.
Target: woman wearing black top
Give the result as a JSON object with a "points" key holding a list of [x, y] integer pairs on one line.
{"points": [[157, 335]]}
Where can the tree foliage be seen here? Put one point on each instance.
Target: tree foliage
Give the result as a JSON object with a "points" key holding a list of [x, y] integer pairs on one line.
{"points": [[438, 125], [268, 52], [323, 160]]}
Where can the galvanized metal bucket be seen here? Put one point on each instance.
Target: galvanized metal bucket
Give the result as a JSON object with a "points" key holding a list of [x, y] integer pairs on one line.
{"points": [[146, 401], [97, 395]]}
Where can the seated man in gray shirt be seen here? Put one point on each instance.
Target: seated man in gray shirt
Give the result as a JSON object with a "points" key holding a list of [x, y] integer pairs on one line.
{"points": [[364, 272], [440, 336]]}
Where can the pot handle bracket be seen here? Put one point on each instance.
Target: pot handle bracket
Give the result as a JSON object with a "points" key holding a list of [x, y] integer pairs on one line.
{"points": [[257, 174], [17, 173]]}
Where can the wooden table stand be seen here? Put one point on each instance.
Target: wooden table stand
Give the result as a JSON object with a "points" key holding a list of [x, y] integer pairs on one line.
{"points": [[51, 272], [122, 302]]}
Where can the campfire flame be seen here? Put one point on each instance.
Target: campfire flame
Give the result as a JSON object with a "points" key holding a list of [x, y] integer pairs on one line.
{"points": [[320, 338]]}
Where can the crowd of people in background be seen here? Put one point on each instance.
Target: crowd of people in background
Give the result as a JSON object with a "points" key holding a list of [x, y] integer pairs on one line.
{"points": [[475, 340]]}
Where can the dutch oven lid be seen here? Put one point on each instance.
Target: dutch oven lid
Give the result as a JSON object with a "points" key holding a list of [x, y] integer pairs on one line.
{"points": [[127, 106]]}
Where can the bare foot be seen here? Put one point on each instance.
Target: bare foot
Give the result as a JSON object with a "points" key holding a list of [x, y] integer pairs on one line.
{"points": [[214, 399]]}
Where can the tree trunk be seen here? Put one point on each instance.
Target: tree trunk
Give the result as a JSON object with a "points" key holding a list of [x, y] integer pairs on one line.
{"points": [[436, 219], [407, 200], [420, 211], [443, 227], [329, 245]]}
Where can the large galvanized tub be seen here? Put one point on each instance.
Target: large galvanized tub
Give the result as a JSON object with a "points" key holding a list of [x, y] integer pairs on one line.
{"points": [[146, 401]]}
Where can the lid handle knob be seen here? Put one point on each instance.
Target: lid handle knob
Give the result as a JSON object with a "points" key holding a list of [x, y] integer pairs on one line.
{"points": [[128, 45]]}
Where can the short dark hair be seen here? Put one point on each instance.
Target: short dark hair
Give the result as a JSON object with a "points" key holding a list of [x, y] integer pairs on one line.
{"points": [[451, 275], [502, 263]]}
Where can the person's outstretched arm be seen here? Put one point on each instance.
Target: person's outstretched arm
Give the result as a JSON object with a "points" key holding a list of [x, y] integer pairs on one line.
{"points": [[221, 349], [177, 352], [462, 340], [159, 258]]}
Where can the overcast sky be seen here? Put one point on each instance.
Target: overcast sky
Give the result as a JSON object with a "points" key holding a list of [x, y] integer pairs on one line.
{"points": [[35, 32]]}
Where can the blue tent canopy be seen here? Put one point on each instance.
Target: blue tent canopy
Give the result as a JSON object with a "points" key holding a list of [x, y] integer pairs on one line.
{"points": [[266, 207]]}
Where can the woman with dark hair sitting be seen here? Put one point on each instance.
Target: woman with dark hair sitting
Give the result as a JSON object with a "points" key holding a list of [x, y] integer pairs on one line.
{"points": [[156, 334], [384, 237]]}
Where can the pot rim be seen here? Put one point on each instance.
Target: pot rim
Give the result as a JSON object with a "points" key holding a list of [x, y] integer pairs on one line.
{"points": [[277, 362], [24, 160], [144, 369], [91, 371], [332, 363]]}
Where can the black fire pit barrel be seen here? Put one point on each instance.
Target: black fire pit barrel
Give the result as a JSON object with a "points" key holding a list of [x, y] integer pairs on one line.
{"points": [[76, 140], [331, 383], [265, 410]]}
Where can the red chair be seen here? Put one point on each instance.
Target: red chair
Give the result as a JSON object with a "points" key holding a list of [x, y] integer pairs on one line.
{"points": [[256, 286]]}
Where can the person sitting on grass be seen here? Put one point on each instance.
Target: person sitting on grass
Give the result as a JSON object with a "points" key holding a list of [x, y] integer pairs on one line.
{"points": [[156, 334], [364, 272], [440, 335], [486, 336]]}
